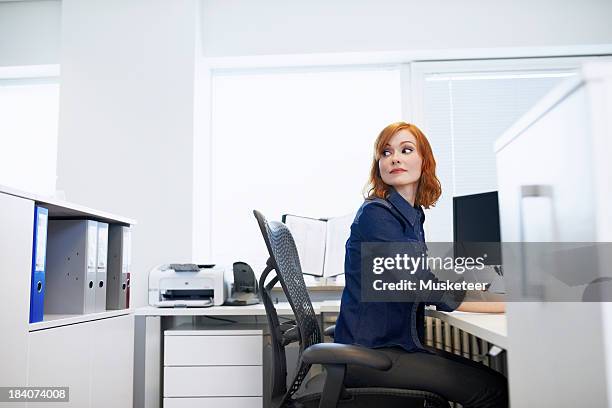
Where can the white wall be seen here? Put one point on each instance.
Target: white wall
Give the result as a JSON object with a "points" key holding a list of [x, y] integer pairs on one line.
{"points": [[127, 81], [246, 27], [30, 32], [126, 120], [202, 216]]}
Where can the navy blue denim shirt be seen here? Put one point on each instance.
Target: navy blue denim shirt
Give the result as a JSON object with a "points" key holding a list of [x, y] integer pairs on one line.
{"points": [[383, 324]]}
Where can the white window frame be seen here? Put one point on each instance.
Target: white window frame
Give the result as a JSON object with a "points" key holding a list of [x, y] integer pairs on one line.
{"points": [[419, 70], [203, 134]]}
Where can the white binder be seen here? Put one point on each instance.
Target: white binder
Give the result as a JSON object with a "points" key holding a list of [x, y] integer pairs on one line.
{"points": [[71, 266], [101, 267], [119, 243]]}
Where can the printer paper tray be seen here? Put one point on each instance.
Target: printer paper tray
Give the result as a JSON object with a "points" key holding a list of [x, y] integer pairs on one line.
{"points": [[185, 303]]}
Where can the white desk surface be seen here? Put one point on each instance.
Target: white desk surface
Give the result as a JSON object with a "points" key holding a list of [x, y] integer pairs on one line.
{"points": [[282, 308], [491, 327], [488, 326]]}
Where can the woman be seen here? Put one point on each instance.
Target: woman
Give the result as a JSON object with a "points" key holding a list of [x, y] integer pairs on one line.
{"points": [[402, 181]]}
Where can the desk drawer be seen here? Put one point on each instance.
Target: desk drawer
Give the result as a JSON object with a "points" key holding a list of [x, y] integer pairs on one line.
{"points": [[212, 350], [214, 402], [245, 381]]}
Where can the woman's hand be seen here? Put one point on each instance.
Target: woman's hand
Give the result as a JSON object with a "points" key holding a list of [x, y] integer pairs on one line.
{"points": [[482, 307]]}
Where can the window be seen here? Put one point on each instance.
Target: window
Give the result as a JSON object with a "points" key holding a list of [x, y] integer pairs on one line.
{"points": [[29, 111], [300, 140], [463, 108], [296, 142]]}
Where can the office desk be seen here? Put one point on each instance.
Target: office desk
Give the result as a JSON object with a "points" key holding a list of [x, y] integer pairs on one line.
{"points": [[151, 322], [147, 382]]}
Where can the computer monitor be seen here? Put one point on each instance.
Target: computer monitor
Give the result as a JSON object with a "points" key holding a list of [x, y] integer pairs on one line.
{"points": [[476, 220]]}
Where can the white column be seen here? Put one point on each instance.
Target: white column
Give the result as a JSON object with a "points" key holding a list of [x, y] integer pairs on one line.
{"points": [[126, 121]]}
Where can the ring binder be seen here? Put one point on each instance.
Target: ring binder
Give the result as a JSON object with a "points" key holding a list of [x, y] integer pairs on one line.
{"points": [[39, 254]]}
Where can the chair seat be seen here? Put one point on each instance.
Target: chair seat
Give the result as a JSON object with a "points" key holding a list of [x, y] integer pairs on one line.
{"points": [[359, 397], [378, 397]]}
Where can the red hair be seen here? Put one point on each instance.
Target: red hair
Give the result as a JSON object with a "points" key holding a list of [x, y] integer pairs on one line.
{"points": [[429, 188]]}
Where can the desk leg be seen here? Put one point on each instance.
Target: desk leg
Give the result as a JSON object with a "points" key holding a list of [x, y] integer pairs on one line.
{"points": [[147, 365], [140, 342]]}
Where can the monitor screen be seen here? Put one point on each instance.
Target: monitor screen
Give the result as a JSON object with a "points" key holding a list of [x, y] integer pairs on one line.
{"points": [[476, 220]]}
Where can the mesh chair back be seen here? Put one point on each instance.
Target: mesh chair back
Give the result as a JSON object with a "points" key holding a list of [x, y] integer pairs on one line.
{"points": [[285, 260]]}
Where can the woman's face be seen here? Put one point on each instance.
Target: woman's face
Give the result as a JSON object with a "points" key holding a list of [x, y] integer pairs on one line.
{"points": [[400, 162]]}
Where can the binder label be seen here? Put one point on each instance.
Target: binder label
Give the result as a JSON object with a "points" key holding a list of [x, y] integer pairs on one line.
{"points": [[41, 233], [92, 245]]}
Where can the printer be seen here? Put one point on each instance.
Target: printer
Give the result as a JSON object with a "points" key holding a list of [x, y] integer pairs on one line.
{"points": [[187, 285]]}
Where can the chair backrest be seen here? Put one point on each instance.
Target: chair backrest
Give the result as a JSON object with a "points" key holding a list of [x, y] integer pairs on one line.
{"points": [[285, 261]]}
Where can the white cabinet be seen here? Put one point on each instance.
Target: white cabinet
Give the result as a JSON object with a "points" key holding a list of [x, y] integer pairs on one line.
{"points": [[554, 186], [212, 350], [92, 354], [94, 359], [236, 402], [212, 381], [60, 357], [216, 368], [16, 227], [112, 362]]}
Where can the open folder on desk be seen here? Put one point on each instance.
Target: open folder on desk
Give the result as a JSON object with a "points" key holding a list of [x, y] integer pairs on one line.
{"points": [[320, 242]]}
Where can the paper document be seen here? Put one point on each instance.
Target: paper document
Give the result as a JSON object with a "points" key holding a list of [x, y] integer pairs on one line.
{"points": [[320, 243]]}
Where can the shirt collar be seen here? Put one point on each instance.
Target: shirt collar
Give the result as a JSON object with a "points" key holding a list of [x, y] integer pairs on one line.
{"points": [[410, 213]]}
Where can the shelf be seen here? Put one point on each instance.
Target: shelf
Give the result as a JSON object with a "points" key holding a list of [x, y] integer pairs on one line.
{"points": [[51, 321]]}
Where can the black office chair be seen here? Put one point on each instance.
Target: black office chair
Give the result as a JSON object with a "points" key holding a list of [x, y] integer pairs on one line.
{"points": [[305, 329]]}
